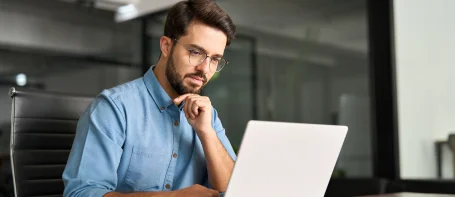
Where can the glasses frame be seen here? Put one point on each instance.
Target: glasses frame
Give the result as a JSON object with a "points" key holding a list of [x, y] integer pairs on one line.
{"points": [[206, 56]]}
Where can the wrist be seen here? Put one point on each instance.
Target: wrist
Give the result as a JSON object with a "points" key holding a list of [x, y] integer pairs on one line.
{"points": [[172, 193], [206, 133]]}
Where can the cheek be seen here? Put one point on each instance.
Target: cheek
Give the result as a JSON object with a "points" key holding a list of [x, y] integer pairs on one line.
{"points": [[179, 63], [182, 67]]}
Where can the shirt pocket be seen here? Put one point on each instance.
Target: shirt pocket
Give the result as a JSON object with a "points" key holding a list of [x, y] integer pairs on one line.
{"points": [[145, 168]]}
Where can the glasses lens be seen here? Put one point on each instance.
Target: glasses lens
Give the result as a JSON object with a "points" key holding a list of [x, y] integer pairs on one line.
{"points": [[221, 64], [196, 57]]}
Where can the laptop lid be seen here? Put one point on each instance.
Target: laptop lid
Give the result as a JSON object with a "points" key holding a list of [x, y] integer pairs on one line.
{"points": [[285, 159]]}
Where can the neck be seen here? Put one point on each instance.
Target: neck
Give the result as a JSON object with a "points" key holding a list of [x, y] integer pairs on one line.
{"points": [[160, 73]]}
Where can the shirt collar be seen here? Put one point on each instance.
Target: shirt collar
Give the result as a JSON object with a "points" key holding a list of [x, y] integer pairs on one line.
{"points": [[161, 98]]}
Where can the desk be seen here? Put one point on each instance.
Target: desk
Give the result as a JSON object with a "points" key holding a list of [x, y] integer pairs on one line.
{"points": [[412, 195]]}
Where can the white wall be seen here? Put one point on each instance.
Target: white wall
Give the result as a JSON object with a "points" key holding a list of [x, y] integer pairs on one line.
{"points": [[425, 71]]}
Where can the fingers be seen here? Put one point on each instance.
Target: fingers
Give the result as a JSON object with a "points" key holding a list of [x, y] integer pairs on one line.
{"points": [[188, 107], [194, 108], [194, 104], [214, 193], [181, 98]]}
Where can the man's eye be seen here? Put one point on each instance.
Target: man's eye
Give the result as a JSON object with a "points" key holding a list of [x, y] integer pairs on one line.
{"points": [[194, 52], [215, 60]]}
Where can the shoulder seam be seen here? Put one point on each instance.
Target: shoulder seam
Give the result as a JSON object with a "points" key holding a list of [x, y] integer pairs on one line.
{"points": [[118, 109]]}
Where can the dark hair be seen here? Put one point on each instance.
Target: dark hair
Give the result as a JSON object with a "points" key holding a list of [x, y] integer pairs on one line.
{"points": [[205, 11]]}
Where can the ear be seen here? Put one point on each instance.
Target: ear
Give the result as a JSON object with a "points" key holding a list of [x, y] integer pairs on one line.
{"points": [[165, 46]]}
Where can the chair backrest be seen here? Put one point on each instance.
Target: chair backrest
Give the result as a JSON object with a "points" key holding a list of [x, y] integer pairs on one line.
{"points": [[43, 126]]}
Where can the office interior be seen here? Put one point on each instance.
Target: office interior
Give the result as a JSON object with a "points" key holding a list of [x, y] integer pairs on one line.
{"points": [[383, 68]]}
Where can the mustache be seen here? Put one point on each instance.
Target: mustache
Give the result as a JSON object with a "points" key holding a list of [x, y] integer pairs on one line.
{"points": [[199, 74]]}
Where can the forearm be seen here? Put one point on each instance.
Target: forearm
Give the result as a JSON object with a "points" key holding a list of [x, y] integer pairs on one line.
{"points": [[140, 194], [219, 162]]}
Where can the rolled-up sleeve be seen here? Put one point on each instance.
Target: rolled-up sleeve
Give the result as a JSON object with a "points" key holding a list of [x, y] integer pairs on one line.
{"points": [[221, 133], [91, 170]]}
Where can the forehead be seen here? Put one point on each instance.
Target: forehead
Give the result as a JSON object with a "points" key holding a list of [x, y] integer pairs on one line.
{"points": [[211, 39]]}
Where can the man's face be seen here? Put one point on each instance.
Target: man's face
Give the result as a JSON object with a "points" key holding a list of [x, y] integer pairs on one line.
{"points": [[185, 77]]}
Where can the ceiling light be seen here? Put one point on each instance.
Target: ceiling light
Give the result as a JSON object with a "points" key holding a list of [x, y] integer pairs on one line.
{"points": [[21, 79]]}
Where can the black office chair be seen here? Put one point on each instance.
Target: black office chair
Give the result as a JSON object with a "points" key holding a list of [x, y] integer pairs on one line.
{"points": [[43, 126]]}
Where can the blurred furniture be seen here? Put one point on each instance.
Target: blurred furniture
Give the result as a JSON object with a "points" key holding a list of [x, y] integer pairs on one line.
{"points": [[439, 145], [355, 187], [43, 129]]}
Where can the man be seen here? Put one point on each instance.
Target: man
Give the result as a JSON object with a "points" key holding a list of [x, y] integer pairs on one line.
{"points": [[156, 136]]}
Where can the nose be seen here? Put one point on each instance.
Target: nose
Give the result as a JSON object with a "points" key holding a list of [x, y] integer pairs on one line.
{"points": [[204, 66]]}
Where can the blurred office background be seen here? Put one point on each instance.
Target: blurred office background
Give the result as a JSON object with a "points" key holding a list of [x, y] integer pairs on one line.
{"points": [[303, 61]]}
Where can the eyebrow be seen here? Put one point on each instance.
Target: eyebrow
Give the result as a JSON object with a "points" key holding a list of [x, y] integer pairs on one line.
{"points": [[203, 50]]}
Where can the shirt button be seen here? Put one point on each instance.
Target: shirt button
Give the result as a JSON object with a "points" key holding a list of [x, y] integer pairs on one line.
{"points": [[162, 108], [176, 123], [175, 155], [168, 186]]}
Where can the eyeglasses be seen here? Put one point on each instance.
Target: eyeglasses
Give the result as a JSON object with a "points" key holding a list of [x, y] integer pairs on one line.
{"points": [[196, 57]]}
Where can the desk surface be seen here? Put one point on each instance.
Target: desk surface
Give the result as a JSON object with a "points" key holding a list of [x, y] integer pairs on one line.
{"points": [[412, 195]]}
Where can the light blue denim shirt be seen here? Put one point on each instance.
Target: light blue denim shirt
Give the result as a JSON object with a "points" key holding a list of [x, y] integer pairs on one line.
{"points": [[133, 138]]}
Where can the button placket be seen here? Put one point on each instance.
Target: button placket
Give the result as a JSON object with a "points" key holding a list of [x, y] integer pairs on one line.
{"points": [[171, 171]]}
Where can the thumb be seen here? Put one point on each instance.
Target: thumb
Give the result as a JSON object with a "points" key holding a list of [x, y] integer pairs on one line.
{"points": [[181, 98]]}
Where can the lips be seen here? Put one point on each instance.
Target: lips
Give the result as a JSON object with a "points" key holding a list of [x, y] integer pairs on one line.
{"points": [[197, 80]]}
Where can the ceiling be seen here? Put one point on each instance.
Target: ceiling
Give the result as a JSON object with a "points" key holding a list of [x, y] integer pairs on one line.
{"points": [[338, 22], [126, 10]]}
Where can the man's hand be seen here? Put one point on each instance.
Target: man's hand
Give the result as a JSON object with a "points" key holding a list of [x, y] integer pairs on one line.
{"points": [[198, 111], [196, 191]]}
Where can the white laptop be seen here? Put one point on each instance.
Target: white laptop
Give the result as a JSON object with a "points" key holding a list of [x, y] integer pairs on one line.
{"points": [[285, 159]]}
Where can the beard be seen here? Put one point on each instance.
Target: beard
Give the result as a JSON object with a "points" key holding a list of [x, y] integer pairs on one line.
{"points": [[176, 80]]}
